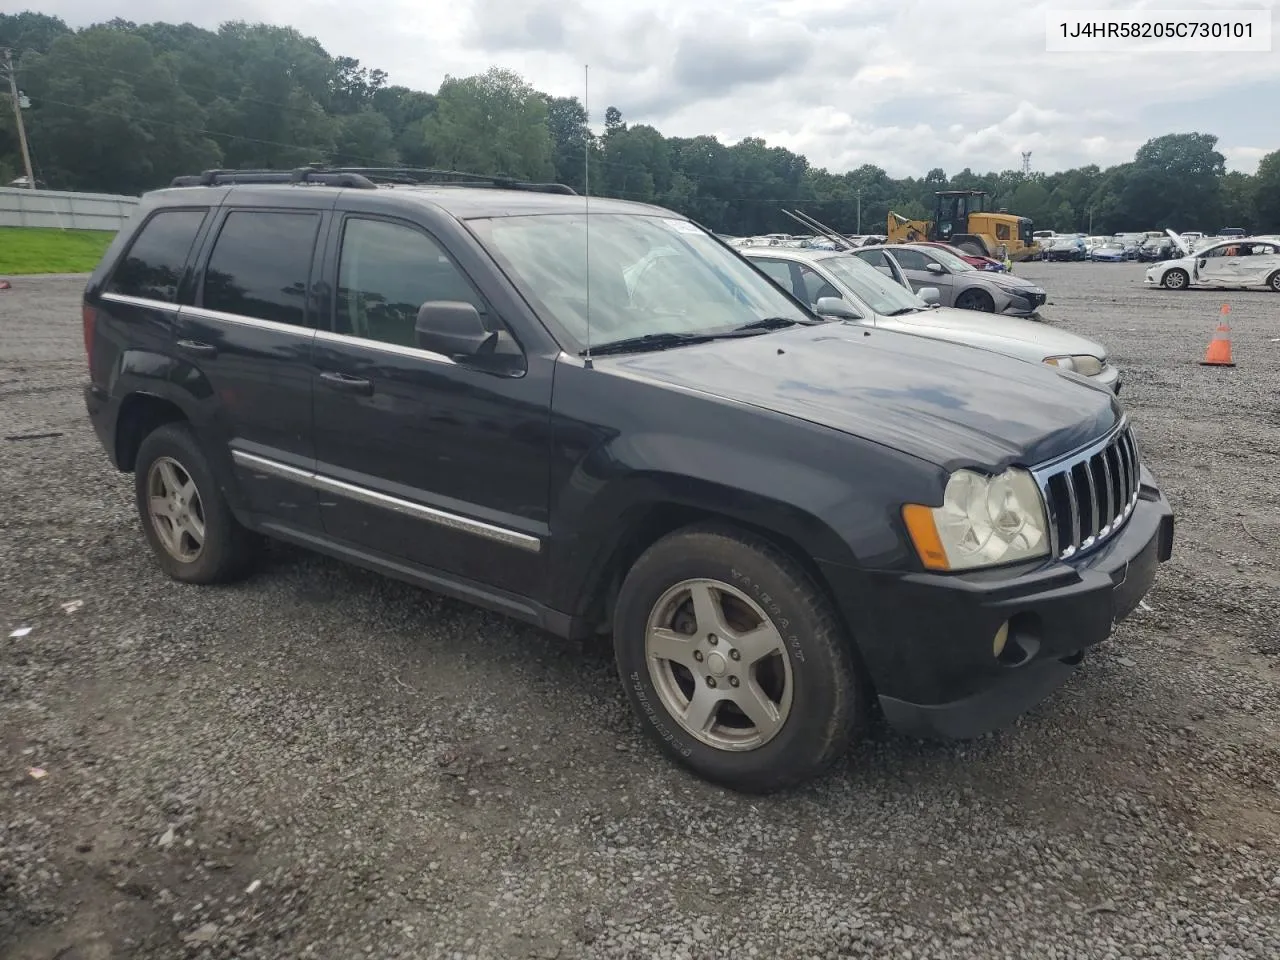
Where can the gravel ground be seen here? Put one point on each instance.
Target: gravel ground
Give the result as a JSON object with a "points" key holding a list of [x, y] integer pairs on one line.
{"points": [[322, 763]]}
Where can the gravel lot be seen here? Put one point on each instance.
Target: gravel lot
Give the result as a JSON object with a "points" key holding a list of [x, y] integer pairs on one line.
{"points": [[322, 763]]}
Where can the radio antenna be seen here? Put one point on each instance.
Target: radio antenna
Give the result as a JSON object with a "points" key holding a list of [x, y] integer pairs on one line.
{"points": [[586, 195]]}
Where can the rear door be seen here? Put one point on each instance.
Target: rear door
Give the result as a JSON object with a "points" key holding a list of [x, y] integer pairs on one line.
{"points": [[249, 334]]}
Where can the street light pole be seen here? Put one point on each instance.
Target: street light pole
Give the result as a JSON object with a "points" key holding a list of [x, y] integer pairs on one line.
{"points": [[17, 113]]}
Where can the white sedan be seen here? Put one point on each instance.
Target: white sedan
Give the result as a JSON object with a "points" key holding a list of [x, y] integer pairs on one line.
{"points": [[1234, 262]]}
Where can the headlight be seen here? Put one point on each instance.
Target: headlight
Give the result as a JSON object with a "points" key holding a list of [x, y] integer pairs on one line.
{"points": [[1084, 365], [1037, 291], [983, 521]]}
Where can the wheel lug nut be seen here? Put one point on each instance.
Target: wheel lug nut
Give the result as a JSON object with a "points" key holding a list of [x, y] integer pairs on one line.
{"points": [[711, 681], [733, 681], [734, 655], [697, 655], [712, 639]]}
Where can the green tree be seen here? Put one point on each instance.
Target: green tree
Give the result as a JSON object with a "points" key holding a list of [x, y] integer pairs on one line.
{"points": [[491, 123], [1266, 193]]}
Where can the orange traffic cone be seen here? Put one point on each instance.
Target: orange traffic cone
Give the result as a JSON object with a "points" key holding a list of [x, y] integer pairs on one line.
{"points": [[1219, 352]]}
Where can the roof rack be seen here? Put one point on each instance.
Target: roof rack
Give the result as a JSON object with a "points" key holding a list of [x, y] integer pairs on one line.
{"points": [[367, 178], [317, 175], [459, 178]]}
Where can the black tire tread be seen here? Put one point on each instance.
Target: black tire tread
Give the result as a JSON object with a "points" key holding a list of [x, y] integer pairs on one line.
{"points": [[850, 714], [230, 549]]}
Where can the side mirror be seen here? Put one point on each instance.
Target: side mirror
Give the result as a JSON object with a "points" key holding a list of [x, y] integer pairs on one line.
{"points": [[934, 267], [453, 328], [836, 308], [930, 295]]}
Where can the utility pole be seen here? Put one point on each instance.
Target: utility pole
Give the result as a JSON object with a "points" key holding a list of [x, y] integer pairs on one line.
{"points": [[12, 74], [859, 211]]}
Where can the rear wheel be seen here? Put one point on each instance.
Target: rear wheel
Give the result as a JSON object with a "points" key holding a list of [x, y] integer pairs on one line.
{"points": [[971, 248], [1176, 279], [976, 300], [186, 519], [735, 662]]}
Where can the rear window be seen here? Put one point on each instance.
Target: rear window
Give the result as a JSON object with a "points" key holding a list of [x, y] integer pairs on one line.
{"points": [[152, 267], [261, 266]]}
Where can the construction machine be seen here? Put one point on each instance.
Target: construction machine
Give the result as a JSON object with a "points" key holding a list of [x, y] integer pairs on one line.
{"points": [[961, 218]]}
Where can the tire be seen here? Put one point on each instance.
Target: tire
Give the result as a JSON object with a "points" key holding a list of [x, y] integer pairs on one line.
{"points": [[971, 248], [1273, 281], [817, 700], [171, 467], [1175, 279], [974, 299]]}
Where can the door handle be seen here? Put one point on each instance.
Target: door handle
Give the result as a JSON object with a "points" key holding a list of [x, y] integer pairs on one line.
{"points": [[197, 348], [347, 384]]}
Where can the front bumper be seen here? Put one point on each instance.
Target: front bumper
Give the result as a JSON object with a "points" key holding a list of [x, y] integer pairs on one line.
{"points": [[927, 639]]}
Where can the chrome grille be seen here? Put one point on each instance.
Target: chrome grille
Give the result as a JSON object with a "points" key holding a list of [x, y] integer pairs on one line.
{"points": [[1091, 493]]}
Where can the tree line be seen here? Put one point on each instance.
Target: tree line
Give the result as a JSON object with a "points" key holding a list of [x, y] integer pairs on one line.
{"points": [[121, 107]]}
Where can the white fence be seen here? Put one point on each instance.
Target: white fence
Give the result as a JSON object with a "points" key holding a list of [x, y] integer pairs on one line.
{"points": [[64, 210]]}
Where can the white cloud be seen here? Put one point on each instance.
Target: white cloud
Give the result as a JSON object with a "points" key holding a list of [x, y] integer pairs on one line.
{"points": [[908, 85]]}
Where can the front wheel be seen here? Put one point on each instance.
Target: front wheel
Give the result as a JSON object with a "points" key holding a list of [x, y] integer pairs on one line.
{"points": [[1273, 281], [976, 300], [735, 662], [1176, 280]]}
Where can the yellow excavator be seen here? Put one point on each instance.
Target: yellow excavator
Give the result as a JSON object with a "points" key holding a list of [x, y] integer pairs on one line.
{"points": [[960, 218]]}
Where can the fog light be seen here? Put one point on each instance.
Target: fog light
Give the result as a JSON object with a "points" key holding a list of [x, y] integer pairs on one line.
{"points": [[1002, 637]]}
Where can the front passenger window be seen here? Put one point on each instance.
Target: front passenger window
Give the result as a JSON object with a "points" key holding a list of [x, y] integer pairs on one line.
{"points": [[386, 271]]}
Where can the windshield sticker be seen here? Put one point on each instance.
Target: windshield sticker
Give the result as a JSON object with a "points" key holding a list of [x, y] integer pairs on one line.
{"points": [[682, 226]]}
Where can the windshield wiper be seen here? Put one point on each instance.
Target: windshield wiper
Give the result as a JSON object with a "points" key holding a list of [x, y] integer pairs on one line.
{"points": [[648, 341], [901, 310], [664, 341]]}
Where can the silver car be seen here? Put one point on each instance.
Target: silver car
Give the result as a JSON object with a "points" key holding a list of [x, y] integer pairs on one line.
{"points": [[842, 285], [959, 284]]}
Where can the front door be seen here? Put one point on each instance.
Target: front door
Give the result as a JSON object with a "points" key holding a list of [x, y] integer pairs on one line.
{"points": [[419, 457], [916, 267], [249, 333], [1215, 265]]}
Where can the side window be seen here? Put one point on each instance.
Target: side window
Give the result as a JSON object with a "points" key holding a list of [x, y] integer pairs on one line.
{"points": [[779, 271], [816, 286], [912, 259], [1002, 231], [1216, 252], [261, 265], [386, 271], [152, 269], [873, 257]]}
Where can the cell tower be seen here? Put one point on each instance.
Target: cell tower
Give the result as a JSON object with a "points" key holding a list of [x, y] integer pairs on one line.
{"points": [[1026, 162]]}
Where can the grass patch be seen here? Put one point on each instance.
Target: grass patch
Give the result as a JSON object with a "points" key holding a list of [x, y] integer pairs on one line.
{"points": [[45, 250]]}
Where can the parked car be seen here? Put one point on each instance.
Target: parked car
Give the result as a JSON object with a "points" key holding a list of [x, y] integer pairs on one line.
{"points": [[1066, 248], [973, 259], [867, 296], [1237, 262], [779, 518], [959, 284], [1231, 232], [1155, 249], [1111, 251]]}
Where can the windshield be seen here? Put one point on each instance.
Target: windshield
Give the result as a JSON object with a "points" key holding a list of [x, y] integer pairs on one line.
{"points": [[950, 260], [648, 275], [872, 287]]}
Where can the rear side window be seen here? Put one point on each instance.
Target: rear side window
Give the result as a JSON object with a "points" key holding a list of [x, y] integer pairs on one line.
{"points": [[152, 269], [261, 266]]}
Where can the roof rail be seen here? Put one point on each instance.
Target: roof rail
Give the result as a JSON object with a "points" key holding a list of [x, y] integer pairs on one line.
{"points": [[457, 178], [317, 175]]}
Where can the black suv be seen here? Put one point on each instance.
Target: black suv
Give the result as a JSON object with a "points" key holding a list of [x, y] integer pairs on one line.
{"points": [[598, 418]]}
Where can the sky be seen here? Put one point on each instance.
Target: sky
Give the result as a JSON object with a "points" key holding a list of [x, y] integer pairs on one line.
{"points": [[907, 85]]}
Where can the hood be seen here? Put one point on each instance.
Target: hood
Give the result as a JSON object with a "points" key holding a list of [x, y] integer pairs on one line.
{"points": [[947, 404], [1179, 243], [1025, 339]]}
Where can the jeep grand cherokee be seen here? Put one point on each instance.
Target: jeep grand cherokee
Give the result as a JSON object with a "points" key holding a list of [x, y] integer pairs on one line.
{"points": [[782, 520]]}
